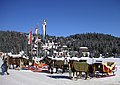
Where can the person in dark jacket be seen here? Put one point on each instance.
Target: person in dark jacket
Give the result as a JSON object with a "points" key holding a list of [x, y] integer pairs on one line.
{"points": [[4, 67]]}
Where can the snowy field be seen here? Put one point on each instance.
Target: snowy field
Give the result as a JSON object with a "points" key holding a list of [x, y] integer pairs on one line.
{"points": [[26, 77]]}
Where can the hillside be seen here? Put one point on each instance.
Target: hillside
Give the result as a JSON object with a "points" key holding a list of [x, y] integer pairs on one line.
{"points": [[11, 41], [97, 43]]}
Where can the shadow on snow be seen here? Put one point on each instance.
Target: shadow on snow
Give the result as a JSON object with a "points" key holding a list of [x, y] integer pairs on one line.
{"points": [[58, 77]]}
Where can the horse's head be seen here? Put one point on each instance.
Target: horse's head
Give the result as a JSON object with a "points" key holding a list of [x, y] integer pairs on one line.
{"points": [[47, 60], [71, 63]]}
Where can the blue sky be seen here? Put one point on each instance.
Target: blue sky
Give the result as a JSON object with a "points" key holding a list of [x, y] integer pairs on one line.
{"points": [[64, 17]]}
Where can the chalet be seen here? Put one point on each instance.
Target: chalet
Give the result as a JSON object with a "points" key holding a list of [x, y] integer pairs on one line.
{"points": [[85, 51]]}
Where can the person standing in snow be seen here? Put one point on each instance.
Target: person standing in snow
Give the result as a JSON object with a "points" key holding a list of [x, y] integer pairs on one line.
{"points": [[4, 67]]}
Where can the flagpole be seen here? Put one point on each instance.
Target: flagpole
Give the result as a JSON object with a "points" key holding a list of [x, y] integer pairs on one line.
{"points": [[26, 46], [44, 30], [37, 47], [31, 51], [44, 34]]}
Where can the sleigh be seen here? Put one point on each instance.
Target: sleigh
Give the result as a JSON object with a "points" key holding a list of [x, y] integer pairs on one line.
{"points": [[104, 69]]}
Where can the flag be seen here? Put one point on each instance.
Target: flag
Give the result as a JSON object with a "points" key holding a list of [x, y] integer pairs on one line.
{"points": [[36, 30], [30, 38]]}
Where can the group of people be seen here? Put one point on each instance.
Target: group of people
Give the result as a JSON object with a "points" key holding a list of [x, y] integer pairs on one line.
{"points": [[4, 67]]}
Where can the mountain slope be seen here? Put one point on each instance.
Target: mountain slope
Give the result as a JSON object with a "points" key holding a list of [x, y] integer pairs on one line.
{"points": [[97, 43]]}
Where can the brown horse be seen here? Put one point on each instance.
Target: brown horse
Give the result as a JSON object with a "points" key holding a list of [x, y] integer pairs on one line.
{"points": [[19, 62], [55, 64], [80, 67]]}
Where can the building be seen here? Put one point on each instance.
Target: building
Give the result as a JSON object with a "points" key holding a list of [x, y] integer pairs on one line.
{"points": [[85, 51], [55, 49]]}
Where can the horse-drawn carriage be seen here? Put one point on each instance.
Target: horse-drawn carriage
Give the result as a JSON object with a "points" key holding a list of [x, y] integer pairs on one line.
{"points": [[95, 69]]}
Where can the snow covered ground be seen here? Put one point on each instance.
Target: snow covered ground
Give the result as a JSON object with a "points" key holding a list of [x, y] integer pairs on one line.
{"points": [[26, 77]]}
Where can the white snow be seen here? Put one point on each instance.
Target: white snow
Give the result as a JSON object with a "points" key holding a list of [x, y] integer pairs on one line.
{"points": [[27, 77]]}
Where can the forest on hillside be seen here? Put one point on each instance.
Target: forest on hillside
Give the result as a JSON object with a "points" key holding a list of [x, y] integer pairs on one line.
{"points": [[98, 43], [11, 41]]}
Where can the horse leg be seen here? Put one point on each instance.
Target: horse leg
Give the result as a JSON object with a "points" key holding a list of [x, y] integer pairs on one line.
{"points": [[56, 70], [51, 70], [70, 73], [80, 74], [86, 75], [77, 75], [73, 76], [63, 70]]}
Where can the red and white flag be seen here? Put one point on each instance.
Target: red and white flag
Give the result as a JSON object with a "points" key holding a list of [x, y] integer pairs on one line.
{"points": [[30, 38]]}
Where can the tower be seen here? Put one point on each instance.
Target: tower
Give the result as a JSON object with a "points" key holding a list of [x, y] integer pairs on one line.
{"points": [[44, 30]]}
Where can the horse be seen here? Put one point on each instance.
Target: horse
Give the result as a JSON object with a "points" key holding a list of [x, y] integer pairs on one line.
{"points": [[55, 64], [80, 67], [19, 62]]}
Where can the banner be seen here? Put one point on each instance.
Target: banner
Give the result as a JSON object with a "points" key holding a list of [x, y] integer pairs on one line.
{"points": [[36, 30], [30, 38]]}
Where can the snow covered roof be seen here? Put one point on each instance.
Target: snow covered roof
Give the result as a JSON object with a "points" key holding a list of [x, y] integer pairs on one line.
{"points": [[14, 55], [83, 47], [56, 58], [38, 59], [64, 46]]}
